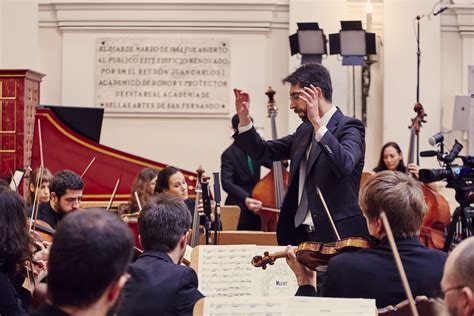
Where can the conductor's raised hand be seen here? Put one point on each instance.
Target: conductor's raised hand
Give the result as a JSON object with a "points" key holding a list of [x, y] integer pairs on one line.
{"points": [[313, 97], [242, 106]]}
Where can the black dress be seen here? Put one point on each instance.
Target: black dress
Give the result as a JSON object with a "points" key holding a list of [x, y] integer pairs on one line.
{"points": [[10, 303]]}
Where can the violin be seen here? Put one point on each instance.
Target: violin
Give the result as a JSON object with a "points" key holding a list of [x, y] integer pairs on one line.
{"points": [[41, 231], [35, 267], [314, 254]]}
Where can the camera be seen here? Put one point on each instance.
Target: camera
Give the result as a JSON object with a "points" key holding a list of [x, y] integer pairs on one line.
{"points": [[460, 178]]}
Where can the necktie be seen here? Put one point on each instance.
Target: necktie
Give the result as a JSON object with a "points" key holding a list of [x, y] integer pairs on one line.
{"points": [[250, 164], [302, 209]]}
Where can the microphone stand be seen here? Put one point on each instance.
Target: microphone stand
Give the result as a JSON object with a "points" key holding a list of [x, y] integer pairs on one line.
{"points": [[217, 209], [206, 202], [418, 62]]}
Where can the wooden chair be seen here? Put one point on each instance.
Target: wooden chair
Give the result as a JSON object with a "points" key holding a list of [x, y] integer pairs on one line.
{"points": [[364, 177], [230, 217]]}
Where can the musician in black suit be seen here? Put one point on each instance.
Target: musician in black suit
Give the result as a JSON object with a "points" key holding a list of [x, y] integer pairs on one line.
{"points": [[87, 266], [66, 195], [372, 273], [159, 284], [239, 174], [326, 151]]}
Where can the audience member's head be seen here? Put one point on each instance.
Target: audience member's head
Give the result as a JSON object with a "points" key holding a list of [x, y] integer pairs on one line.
{"points": [[43, 190], [144, 184], [66, 191], [14, 237], [391, 158], [400, 196], [88, 261], [458, 280], [163, 226], [172, 181]]}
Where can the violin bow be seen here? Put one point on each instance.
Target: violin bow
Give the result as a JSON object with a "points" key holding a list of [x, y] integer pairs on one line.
{"points": [[113, 193], [328, 213], [88, 166], [137, 198], [35, 208], [399, 264], [40, 143], [34, 215]]}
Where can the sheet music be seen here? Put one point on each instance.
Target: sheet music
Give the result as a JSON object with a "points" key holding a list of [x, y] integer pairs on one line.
{"points": [[295, 305], [226, 271], [16, 179]]}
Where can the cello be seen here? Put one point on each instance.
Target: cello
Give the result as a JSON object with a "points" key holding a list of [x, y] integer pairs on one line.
{"points": [[271, 189], [437, 216]]}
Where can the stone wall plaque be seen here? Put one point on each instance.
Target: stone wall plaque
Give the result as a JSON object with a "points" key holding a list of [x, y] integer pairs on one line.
{"points": [[163, 76]]}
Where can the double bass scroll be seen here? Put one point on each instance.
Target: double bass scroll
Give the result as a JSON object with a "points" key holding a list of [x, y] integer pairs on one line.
{"points": [[271, 189]]}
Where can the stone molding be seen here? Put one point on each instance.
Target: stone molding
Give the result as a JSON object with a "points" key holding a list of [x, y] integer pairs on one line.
{"points": [[459, 18], [207, 15]]}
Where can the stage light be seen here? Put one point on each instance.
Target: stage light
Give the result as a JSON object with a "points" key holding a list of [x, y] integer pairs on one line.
{"points": [[310, 42], [353, 43]]}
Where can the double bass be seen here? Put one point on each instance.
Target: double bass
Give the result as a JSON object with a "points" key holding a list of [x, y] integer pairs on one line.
{"points": [[271, 189], [438, 216]]}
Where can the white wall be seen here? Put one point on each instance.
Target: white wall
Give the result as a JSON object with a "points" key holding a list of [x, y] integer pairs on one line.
{"points": [[400, 72], [258, 31], [1, 33], [51, 47], [19, 34], [63, 48], [329, 13]]}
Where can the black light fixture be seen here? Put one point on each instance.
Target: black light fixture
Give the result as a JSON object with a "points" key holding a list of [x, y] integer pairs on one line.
{"points": [[310, 42], [353, 43]]}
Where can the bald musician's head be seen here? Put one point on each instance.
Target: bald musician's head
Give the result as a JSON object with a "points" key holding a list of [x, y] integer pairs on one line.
{"points": [[458, 280], [402, 199], [88, 261]]}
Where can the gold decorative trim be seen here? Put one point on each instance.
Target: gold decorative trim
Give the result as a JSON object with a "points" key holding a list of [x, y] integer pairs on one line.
{"points": [[2, 98], [7, 98], [98, 196]]}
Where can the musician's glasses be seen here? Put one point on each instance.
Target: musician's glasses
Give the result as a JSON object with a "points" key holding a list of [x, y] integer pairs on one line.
{"points": [[295, 96]]}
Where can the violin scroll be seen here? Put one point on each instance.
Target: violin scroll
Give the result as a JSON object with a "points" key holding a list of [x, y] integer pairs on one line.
{"points": [[263, 261]]}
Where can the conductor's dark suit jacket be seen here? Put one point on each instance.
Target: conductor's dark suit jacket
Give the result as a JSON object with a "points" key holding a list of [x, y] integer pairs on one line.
{"points": [[372, 273], [158, 286], [238, 181], [335, 166]]}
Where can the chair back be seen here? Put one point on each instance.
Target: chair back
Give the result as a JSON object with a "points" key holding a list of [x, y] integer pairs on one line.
{"points": [[230, 217]]}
